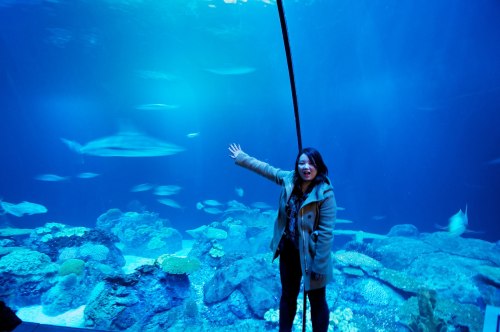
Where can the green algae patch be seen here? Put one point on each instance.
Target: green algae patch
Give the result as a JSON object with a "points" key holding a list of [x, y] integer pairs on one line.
{"points": [[172, 264], [72, 265]]}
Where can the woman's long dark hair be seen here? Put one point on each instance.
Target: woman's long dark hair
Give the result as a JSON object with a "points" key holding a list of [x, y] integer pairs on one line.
{"points": [[317, 161]]}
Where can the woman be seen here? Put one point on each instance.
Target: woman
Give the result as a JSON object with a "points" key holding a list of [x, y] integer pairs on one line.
{"points": [[303, 231]]}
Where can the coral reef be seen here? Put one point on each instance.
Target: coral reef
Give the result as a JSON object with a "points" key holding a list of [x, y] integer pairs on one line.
{"points": [[426, 321], [72, 265], [272, 316], [208, 233], [342, 320], [147, 300], [173, 264], [141, 234], [253, 277], [226, 281], [217, 250], [490, 274], [61, 242], [26, 276]]}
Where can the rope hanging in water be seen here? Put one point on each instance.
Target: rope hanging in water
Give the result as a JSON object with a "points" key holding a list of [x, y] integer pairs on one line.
{"points": [[284, 30]]}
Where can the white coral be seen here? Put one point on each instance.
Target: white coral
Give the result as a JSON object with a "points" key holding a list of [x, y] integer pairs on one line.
{"points": [[272, 316], [341, 319], [68, 253], [97, 252], [374, 293]]}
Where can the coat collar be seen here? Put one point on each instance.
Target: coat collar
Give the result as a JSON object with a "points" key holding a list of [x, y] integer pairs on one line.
{"points": [[318, 193]]}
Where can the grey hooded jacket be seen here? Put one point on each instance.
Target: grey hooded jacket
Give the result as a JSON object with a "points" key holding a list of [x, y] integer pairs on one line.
{"points": [[316, 221]]}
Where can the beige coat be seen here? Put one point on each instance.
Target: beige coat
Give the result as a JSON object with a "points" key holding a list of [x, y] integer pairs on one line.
{"points": [[316, 220]]}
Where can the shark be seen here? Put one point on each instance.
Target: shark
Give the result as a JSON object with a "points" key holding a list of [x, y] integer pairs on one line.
{"points": [[22, 208], [457, 223], [125, 144]]}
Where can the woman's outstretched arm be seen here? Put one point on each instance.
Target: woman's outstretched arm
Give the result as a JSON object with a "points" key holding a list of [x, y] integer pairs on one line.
{"points": [[235, 150], [253, 164]]}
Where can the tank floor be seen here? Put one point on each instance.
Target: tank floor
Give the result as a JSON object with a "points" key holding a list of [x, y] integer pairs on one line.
{"points": [[35, 327]]}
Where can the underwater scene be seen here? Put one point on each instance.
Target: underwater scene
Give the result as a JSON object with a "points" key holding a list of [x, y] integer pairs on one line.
{"points": [[121, 209]]}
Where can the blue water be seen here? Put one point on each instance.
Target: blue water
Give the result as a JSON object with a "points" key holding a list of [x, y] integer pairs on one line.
{"points": [[402, 99]]}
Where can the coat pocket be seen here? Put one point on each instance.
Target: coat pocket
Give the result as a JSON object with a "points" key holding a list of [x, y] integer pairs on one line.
{"points": [[312, 243]]}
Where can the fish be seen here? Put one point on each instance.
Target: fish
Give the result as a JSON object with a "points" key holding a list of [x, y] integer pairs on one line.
{"points": [[193, 135], [239, 191], [142, 187], [87, 175], [22, 208], [212, 202], [199, 205], [169, 202], [155, 75], [167, 190], [125, 144], [261, 205], [359, 236], [493, 162], [343, 221], [458, 223], [226, 31], [51, 177], [156, 107], [236, 206], [231, 71], [213, 210]]}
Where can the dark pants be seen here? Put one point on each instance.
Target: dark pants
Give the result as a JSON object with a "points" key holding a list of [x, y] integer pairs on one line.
{"points": [[8, 319], [291, 274]]}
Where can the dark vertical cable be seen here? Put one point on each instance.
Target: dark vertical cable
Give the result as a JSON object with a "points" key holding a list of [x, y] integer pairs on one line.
{"points": [[284, 30]]}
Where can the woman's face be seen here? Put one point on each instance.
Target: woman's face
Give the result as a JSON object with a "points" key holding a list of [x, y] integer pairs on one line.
{"points": [[307, 170]]}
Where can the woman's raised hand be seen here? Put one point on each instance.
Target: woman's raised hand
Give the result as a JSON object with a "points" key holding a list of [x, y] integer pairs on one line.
{"points": [[235, 150]]}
